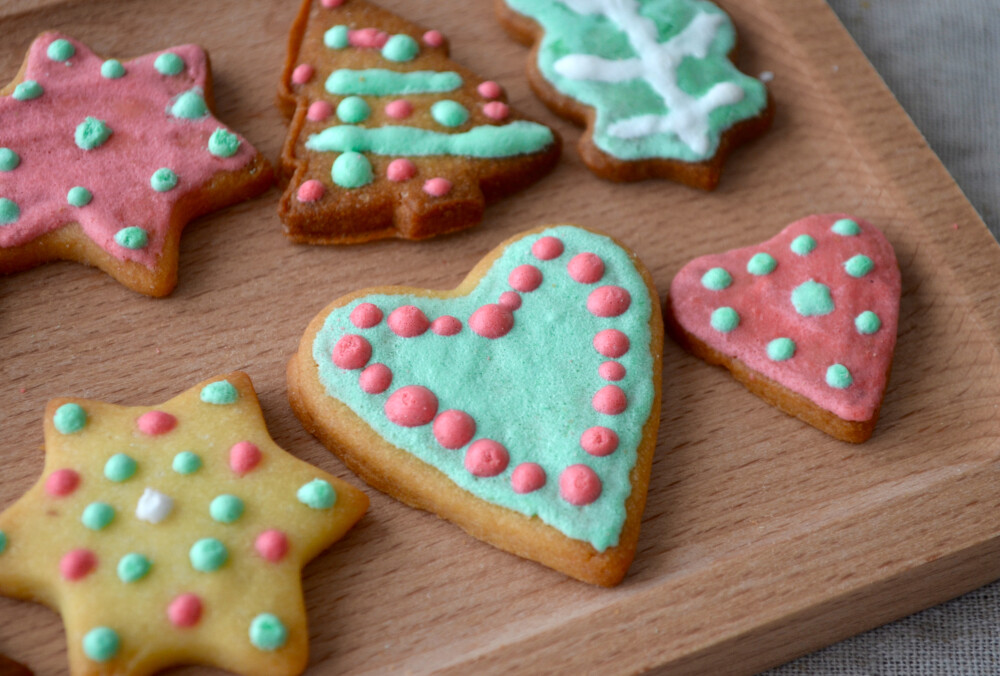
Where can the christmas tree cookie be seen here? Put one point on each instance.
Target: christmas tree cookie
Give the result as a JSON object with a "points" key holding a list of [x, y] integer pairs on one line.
{"points": [[652, 82], [104, 161], [806, 320], [174, 534], [388, 136], [522, 405]]}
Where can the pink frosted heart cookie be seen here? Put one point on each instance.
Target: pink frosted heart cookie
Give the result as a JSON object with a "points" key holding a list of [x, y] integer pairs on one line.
{"points": [[806, 320], [522, 405]]}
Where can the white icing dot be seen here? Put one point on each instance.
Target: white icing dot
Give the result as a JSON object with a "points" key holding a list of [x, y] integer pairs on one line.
{"points": [[766, 76], [153, 506]]}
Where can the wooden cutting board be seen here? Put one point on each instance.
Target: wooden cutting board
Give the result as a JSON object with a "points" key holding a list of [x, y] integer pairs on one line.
{"points": [[763, 539]]}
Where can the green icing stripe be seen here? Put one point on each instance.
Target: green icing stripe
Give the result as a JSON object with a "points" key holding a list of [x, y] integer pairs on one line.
{"points": [[517, 138], [381, 82]]}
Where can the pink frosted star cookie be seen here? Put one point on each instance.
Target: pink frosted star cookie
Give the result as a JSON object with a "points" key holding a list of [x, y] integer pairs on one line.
{"points": [[104, 161], [806, 320]]}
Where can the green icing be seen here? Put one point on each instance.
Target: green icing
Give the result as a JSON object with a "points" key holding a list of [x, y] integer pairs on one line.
{"points": [[120, 467], [267, 632], [846, 227], [380, 82], [78, 196], [186, 462], [220, 392], [91, 133], [803, 245], [208, 555], [69, 418], [9, 159], [9, 211], [337, 37], [449, 113], [838, 377], [781, 349], [97, 515], [352, 170], [169, 63], [189, 106], [812, 299], [353, 109], [133, 567], [516, 138], [60, 50], [3, 542], [101, 644], [226, 508], [112, 69], [530, 390], [725, 319], [163, 179], [223, 143], [400, 48], [27, 90], [867, 323], [318, 494], [132, 237], [761, 264], [859, 266], [716, 279]]}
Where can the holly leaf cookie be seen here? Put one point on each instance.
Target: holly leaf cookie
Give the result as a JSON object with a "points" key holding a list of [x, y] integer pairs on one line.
{"points": [[522, 405], [651, 80], [104, 161], [388, 136], [806, 320], [174, 534]]}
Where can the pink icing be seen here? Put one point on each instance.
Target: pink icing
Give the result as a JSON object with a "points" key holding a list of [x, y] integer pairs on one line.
{"points": [[547, 248], [351, 352], [375, 379], [371, 38], [608, 301], [579, 485], [527, 477], [490, 90], [610, 400], [319, 111], [272, 545], [62, 482], [433, 38], [411, 406], [311, 190], [243, 457], [611, 343], [184, 610], [155, 423], [302, 73], [408, 321], [495, 110], [77, 563], [446, 325], [366, 315], [599, 441], [454, 429], [491, 321], [144, 139], [586, 268], [766, 312], [525, 278], [437, 187], [330, 4], [509, 300], [400, 169], [611, 370], [486, 458], [400, 109]]}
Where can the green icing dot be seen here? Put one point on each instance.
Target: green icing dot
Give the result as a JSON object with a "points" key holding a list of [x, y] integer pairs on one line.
{"points": [[838, 376], [208, 554], [353, 109], [132, 237], [133, 567], [867, 322], [3, 542], [186, 462], [112, 69], [27, 90], [91, 133], [169, 63], [761, 264], [400, 48], [725, 319], [781, 349], [9, 211], [69, 418], [803, 244], [60, 50], [78, 196], [163, 179], [189, 106], [267, 632], [226, 508], [336, 37], [812, 299], [352, 170], [846, 227], [449, 113], [97, 515], [859, 266], [119, 467], [223, 143], [9, 159], [101, 644], [318, 494], [716, 279], [219, 392]]}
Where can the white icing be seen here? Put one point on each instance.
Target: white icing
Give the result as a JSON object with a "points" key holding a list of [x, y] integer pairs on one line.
{"points": [[154, 506]]}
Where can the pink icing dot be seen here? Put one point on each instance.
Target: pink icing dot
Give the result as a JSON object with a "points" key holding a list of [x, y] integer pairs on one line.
{"points": [[62, 482], [579, 485], [155, 423], [330, 4], [319, 111], [610, 400], [491, 321], [611, 343], [310, 191], [302, 73], [611, 370], [599, 441], [371, 38], [496, 110], [272, 545], [184, 610], [400, 109], [486, 458], [351, 352], [525, 278], [411, 406], [400, 170], [489, 89], [366, 316], [454, 429], [586, 268], [76, 563], [547, 248], [509, 300], [243, 457], [437, 187], [446, 325], [608, 301], [433, 39], [408, 321], [527, 477], [375, 379]]}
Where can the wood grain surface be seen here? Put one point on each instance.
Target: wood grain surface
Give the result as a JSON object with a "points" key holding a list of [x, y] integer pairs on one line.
{"points": [[763, 538]]}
